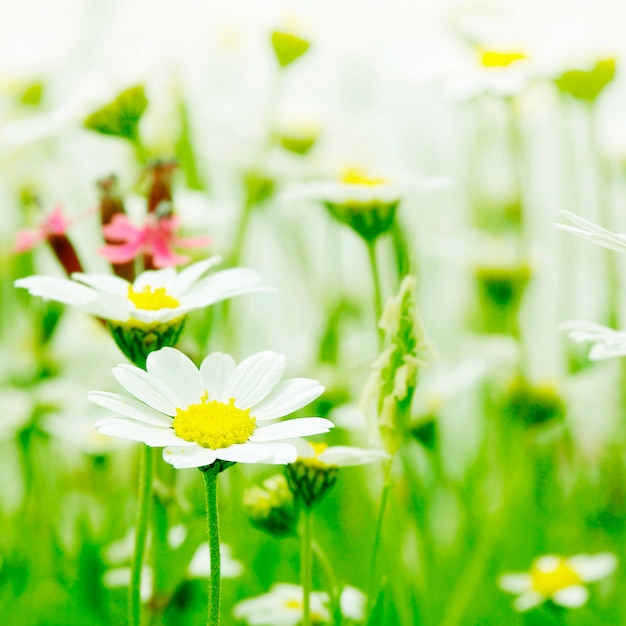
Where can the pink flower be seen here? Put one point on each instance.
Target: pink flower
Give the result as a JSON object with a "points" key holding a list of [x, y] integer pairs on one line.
{"points": [[155, 239], [53, 224]]}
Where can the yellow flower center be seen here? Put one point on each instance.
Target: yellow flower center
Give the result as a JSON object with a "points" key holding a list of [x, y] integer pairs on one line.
{"points": [[292, 603], [559, 576], [214, 424], [497, 58], [358, 176], [152, 300]]}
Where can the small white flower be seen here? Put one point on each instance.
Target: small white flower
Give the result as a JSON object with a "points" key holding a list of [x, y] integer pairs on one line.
{"points": [[120, 577], [592, 232], [211, 413], [282, 606], [155, 297], [352, 602], [561, 580], [320, 454], [608, 343], [200, 565], [357, 186]]}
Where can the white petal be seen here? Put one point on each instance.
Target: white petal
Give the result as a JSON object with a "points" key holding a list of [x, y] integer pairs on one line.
{"points": [[138, 431], [288, 396], [593, 567], [222, 285], [146, 388], [304, 448], [186, 456], [347, 456], [254, 378], [129, 407], [108, 307], [515, 583], [299, 427], [271, 453], [528, 600], [594, 233], [155, 278], [179, 373], [105, 283], [571, 597], [187, 277], [57, 289], [215, 370]]}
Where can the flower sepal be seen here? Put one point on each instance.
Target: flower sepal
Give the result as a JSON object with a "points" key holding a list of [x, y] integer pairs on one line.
{"points": [[138, 341], [217, 467], [310, 480]]}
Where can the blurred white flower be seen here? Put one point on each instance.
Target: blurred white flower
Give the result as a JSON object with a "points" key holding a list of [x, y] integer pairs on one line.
{"points": [[200, 565], [201, 415], [353, 601], [282, 606], [559, 579], [120, 577]]}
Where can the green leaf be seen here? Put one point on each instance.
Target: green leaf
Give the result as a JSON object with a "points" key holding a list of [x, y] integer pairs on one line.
{"points": [[587, 84], [120, 118], [288, 48]]}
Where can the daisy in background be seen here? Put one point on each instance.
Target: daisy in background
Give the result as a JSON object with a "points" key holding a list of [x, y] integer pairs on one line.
{"points": [[558, 579], [282, 606], [211, 413], [150, 312]]}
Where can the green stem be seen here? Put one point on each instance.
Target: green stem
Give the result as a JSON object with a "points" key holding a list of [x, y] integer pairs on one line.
{"points": [[379, 530], [332, 580], [378, 299], [306, 564], [141, 533], [210, 482]]}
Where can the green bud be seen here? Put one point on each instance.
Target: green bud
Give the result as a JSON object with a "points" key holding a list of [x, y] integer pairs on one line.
{"points": [[32, 95], [287, 47], [587, 84], [368, 219], [394, 378], [309, 480], [259, 187], [527, 404], [120, 118], [271, 507], [138, 341]]}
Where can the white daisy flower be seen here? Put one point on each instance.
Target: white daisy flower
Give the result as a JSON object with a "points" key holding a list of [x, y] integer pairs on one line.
{"points": [[155, 297], [561, 580], [608, 343], [357, 186], [211, 413], [322, 455], [282, 606], [592, 232]]}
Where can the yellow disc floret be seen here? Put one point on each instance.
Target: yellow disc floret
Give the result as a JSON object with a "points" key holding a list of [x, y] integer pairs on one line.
{"points": [[150, 299], [358, 176], [214, 424], [498, 58], [548, 580], [314, 461]]}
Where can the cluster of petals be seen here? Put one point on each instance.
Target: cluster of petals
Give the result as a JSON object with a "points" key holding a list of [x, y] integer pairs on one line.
{"points": [[108, 297], [172, 382], [55, 223], [558, 579], [156, 238]]}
